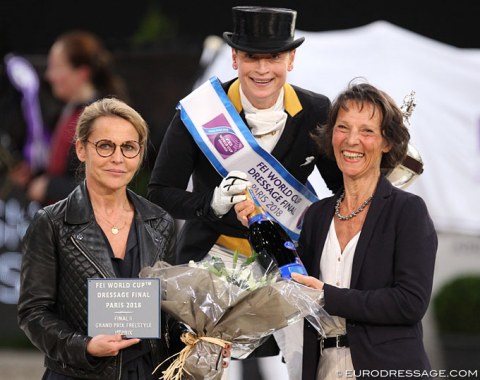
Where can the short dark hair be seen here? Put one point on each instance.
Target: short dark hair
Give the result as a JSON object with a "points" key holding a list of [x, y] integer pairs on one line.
{"points": [[392, 125]]}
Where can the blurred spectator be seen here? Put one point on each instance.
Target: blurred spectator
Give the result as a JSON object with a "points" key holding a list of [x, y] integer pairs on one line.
{"points": [[12, 123], [79, 70], [17, 117], [24, 140]]}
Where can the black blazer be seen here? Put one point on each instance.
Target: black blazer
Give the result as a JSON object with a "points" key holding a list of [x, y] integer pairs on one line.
{"points": [[180, 157], [391, 281]]}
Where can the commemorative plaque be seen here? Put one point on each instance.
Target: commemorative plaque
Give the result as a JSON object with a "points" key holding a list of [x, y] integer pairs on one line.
{"points": [[130, 307]]}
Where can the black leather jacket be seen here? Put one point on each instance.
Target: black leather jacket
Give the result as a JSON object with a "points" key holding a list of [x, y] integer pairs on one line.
{"points": [[62, 248]]}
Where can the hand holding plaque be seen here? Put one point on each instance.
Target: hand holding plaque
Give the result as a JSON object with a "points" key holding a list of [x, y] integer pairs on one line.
{"points": [[124, 307]]}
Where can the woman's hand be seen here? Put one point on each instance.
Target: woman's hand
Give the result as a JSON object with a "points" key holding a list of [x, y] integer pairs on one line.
{"points": [[243, 209], [309, 281], [109, 345], [226, 355]]}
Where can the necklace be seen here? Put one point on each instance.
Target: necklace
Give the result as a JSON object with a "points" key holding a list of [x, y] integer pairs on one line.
{"points": [[113, 228], [116, 229], [353, 213]]}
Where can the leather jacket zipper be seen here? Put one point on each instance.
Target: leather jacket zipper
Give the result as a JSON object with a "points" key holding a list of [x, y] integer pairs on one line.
{"points": [[119, 365], [104, 275]]}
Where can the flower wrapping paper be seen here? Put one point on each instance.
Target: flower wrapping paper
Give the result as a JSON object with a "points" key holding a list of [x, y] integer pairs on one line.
{"points": [[243, 312]]}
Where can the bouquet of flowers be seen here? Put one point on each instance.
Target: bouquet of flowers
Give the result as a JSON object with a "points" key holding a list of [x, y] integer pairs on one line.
{"points": [[228, 307]]}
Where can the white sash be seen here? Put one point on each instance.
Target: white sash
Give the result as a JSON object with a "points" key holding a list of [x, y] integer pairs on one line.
{"points": [[226, 141]]}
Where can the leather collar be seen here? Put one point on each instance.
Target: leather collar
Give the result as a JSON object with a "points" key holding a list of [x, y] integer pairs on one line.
{"points": [[77, 213]]}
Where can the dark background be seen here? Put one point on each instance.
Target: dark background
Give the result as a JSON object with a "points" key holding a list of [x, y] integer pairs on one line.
{"points": [[157, 44], [30, 26]]}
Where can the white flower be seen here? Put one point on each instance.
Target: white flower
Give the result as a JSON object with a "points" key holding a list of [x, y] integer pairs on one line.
{"points": [[242, 275]]}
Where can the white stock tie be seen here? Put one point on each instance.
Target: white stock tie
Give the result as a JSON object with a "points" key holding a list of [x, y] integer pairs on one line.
{"points": [[266, 125]]}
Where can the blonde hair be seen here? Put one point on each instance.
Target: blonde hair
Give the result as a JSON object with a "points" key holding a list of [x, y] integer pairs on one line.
{"points": [[111, 107]]}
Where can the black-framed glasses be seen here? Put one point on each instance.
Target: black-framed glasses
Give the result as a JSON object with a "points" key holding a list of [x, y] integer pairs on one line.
{"points": [[105, 148]]}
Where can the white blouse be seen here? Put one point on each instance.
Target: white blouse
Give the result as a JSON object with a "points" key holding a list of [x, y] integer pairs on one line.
{"points": [[336, 270]]}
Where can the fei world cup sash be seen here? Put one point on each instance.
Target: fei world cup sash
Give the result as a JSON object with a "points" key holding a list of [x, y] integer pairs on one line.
{"points": [[226, 141]]}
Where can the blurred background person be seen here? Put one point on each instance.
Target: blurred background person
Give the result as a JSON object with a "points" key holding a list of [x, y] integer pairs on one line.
{"points": [[102, 230], [24, 134], [79, 70]]}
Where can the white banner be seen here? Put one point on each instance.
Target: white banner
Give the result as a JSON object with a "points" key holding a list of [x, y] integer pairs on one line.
{"points": [[229, 145], [445, 126]]}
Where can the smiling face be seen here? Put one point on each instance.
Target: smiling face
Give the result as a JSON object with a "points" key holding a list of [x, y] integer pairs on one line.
{"points": [[262, 76], [357, 140], [109, 174]]}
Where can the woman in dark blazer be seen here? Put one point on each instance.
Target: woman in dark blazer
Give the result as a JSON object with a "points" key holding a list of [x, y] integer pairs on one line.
{"points": [[180, 157], [371, 248]]}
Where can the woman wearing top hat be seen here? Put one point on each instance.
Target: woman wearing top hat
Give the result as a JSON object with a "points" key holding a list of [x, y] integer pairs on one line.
{"points": [[280, 117]]}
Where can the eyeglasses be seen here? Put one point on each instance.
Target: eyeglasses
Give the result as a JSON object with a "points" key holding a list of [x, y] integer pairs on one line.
{"points": [[105, 148]]}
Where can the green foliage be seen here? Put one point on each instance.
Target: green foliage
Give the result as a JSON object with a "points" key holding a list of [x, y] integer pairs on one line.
{"points": [[154, 28], [457, 305]]}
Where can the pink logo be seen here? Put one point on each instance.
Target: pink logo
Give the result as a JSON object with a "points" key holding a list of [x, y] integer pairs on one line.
{"points": [[222, 136]]}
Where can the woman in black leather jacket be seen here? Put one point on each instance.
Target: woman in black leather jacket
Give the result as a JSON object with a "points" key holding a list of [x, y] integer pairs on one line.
{"points": [[101, 230]]}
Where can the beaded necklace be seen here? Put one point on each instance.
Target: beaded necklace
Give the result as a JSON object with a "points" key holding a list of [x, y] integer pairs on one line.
{"points": [[353, 213]]}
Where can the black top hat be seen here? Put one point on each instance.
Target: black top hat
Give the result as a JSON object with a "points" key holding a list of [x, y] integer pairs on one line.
{"points": [[263, 30]]}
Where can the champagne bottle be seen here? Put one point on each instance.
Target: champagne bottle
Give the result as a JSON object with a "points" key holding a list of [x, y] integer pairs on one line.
{"points": [[271, 242]]}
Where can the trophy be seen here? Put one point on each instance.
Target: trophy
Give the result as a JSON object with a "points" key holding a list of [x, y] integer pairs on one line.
{"points": [[404, 174]]}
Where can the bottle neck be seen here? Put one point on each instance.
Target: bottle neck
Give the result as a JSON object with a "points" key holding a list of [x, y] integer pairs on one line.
{"points": [[258, 213]]}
